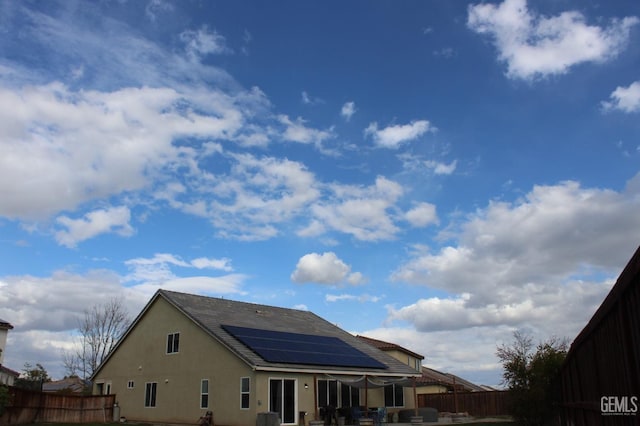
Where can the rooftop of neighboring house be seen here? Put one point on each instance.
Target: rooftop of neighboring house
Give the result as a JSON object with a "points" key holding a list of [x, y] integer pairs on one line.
{"points": [[5, 325], [435, 377], [388, 346], [8, 371], [70, 384]]}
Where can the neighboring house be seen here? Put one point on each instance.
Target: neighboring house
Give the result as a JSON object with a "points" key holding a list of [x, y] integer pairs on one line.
{"points": [[403, 355], [7, 375], [431, 381], [434, 381], [67, 385], [185, 355], [4, 331]]}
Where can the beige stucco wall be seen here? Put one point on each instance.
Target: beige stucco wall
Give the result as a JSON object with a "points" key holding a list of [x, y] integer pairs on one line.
{"points": [[142, 358], [432, 389]]}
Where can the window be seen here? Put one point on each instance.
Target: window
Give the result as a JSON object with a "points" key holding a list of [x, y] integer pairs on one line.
{"points": [[130, 384], [350, 396], [327, 393], [330, 392], [282, 399], [245, 392], [150, 394], [173, 343], [418, 365], [393, 396], [204, 393]]}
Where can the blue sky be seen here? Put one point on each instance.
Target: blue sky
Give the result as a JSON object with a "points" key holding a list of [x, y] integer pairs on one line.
{"points": [[433, 173]]}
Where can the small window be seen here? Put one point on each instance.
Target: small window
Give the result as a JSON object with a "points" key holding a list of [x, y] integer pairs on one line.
{"points": [[204, 393], [130, 384], [245, 392], [150, 394], [173, 343]]}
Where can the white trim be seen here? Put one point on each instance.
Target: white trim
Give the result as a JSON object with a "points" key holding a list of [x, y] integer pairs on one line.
{"points": [[333, 372], [295, 399]]}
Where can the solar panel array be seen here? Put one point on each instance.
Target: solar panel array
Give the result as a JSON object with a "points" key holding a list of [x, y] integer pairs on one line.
{"points": [[307, 349]]}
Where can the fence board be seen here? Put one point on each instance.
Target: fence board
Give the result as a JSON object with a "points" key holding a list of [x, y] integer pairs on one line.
{"points": [[604, 359], [480, 404], [30, 407]]}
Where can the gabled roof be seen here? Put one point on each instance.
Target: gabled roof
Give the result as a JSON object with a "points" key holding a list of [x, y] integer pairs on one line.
{"points": [[435, 377], [5, 325], [71, 384], [211, 314], [387, 346], [8, 371]]}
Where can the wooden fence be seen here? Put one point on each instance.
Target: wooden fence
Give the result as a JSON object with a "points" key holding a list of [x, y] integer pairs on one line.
{"points": [[31, 407], [601, 373], [479, 404]]}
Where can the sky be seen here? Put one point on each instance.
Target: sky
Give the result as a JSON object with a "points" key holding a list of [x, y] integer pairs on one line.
{"points": [[433, 173]]}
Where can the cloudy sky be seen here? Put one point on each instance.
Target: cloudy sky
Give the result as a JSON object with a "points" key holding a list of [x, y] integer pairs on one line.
{"points": [[433, 173]]}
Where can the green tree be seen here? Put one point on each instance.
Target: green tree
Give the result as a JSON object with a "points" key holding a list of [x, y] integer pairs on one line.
{"points": [[5, 398], [531, 377], [32, 377]]}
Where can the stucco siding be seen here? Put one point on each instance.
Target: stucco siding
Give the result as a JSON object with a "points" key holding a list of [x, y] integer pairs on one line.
{"points": [[142, 358]]}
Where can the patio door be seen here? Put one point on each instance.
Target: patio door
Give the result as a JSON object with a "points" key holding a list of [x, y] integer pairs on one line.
{"points": [[282, 399]]}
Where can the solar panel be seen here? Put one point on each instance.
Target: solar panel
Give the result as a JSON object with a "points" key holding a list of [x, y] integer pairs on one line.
{"points": [[295, 348]]}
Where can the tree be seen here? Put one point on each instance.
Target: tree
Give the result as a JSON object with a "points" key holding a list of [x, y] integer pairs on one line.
{"points": [[5, 398], [532, 378], [32, 377], [99, 331]]}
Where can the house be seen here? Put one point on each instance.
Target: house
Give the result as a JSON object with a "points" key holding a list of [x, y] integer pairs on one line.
{"points": [[185, 355], [72, 385], [7, 375], [4, 331], [431, 381], [434, 381], [404, 355]]}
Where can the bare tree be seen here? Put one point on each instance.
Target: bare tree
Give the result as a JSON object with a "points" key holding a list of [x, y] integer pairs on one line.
{"points": [[99, 331]]}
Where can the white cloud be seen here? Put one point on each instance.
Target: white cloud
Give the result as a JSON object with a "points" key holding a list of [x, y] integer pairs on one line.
{"points": [[114, 219], [347, 111], [544, 262], [441, 168], [203, 42], [157, 269], [155, 7], [97, 144], [296, 131], [325, 268], [364, 212], [534, 45], [309, 100], [363, 298], [259, 194], [423, 214], [543, 238], [625, 99], [394, 136], [223, 264]]}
